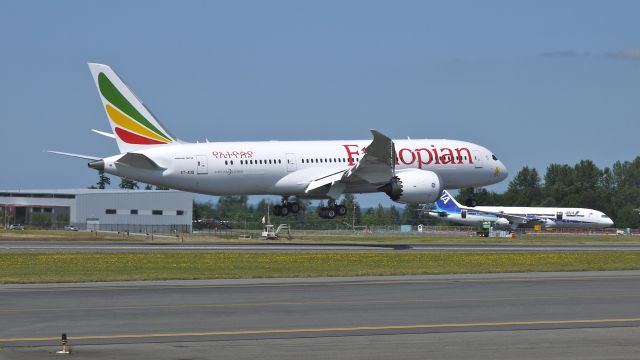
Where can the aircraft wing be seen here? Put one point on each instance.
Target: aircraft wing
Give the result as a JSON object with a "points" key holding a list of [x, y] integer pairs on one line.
{"points": [[376, 167], [513, 218]]}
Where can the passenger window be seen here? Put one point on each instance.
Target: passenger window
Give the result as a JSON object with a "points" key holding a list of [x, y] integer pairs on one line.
{"points": [[225, 162], [231, 162]]}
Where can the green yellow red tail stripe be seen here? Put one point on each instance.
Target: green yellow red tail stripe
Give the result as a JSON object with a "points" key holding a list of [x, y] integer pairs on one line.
{"points": [[131, 126]]}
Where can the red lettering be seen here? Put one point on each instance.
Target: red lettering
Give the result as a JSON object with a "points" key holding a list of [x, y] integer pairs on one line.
{"points": [[447, 158], [351, 153], [420, 159], [401, 156], [435, 154], [459, 152]]}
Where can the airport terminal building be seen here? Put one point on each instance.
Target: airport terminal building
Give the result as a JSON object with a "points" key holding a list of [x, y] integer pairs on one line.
{"points": [[142, 211]]}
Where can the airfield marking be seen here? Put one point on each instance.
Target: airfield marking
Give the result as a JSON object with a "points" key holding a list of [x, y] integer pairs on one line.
{"points": [[330, 329], [337, 283], [316, 302]]}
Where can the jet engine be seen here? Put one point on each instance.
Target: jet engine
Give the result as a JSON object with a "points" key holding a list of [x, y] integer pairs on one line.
{"points": [[414, 187]]}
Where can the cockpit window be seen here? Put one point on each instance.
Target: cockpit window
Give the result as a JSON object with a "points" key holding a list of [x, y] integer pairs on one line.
{"points": [[604, 216], [494, 157]]}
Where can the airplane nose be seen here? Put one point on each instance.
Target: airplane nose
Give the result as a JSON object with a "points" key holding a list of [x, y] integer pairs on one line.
{"points": [[504, 173]]}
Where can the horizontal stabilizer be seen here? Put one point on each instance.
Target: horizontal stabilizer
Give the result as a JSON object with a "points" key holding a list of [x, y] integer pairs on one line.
{"points": [[86, 157], [109, 135]]}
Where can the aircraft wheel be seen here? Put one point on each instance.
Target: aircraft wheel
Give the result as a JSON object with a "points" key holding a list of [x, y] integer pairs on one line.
{"points": [[331, 213], [293, 207], [323, 212], [284, 210], [277, 210], [471, 202], [341, 210]]}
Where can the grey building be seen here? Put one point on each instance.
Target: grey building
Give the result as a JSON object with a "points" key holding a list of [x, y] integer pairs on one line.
{"points": [[94, 209]]}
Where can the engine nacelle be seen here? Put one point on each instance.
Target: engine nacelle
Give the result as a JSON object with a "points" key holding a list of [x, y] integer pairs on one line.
{"points": [[414, 187]]}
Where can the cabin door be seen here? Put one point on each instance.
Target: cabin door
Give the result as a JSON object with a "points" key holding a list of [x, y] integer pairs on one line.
{"points": [[202, 164], [291, 162]]}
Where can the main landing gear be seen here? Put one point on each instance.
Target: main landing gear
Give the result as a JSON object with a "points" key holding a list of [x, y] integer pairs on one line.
{"points": [[286, 208], [333, 210], [325, 212]]}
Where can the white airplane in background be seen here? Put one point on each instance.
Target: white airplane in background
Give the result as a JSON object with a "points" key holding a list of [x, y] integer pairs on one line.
{"points": [[409, 171], [448, 209]]}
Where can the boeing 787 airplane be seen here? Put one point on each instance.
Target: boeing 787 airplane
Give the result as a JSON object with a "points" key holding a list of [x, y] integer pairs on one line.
{"points": [[408, 171], [448, 209]]}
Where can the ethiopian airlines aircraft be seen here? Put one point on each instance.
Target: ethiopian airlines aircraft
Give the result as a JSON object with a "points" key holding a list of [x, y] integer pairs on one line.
{"points": [[448, 209], [409, 171]]}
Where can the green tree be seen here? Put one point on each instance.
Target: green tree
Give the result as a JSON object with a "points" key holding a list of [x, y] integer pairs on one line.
{"points": [[481, 195], [354, 214], [558, 185], [233, 208], [103, 180], [128, 184], [524, 189], [411, 214]]}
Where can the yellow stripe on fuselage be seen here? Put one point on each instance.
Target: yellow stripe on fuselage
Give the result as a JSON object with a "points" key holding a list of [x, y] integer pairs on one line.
{"points": [[127, 123]]}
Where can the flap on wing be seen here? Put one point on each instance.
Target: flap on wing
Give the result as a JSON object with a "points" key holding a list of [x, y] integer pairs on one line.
{"points": [[325, 180], [138, 161], [377, 166]]}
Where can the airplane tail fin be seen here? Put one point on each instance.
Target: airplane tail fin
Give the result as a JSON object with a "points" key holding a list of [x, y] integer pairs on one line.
{"points": [[447, 203], [133, 125]]}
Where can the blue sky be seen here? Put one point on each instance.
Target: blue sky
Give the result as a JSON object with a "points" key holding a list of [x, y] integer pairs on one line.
{"points": [[537, 82]]}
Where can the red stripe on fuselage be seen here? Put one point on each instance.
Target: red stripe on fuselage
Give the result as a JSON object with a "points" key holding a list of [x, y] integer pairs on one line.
{"points": [[131, 138]]}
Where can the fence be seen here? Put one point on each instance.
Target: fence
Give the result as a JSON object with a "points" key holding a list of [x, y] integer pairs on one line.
{"points": [[132, 228]]}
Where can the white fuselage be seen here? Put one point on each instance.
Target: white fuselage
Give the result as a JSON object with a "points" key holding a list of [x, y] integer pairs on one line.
{"points": [[551, 217], [286, 167]]}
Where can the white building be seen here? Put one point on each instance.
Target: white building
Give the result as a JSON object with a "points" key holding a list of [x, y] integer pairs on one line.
{"points": [[107, 210]]}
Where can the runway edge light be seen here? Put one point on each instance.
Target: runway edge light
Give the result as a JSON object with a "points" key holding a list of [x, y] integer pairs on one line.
{"points": [[66, 349]]}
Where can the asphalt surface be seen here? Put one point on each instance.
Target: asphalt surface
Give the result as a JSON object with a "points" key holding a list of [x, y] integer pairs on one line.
{"points": [[57, 246], [592, 315]]}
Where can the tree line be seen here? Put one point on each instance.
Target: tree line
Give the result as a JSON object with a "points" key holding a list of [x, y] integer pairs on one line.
{"points": [[613, 190]]}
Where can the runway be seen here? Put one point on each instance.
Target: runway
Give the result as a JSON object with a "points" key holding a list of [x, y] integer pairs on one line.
{"points": [[57, 246], [590, 315]]}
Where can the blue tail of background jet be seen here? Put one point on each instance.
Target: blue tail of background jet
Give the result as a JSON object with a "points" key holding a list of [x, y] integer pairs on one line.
{"points": [[447, 203]]}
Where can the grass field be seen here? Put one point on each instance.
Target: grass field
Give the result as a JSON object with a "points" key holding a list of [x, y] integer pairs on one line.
{"points": [[87, 267]]}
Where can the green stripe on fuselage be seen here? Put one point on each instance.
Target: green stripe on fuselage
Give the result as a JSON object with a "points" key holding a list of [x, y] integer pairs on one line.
{"points": [[111, 93]]}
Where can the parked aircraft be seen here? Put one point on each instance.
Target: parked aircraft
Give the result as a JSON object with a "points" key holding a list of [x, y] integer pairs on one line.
{"points": [[448, 209], [408, 171]]}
